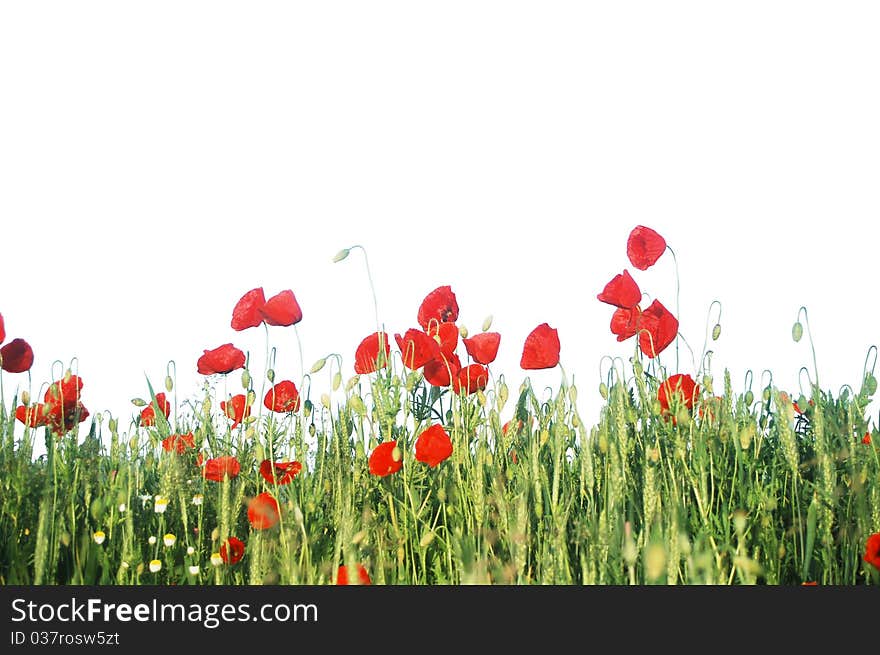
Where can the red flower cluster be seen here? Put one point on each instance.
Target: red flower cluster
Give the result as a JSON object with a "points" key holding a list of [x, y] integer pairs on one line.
{"points": [[15, 356], [218, 468], [222, 359], [252, 309], [61, 408], [656, 326], [179, 443], [279, 472]]}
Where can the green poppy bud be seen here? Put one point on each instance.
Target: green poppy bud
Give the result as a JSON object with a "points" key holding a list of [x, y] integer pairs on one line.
{"points": [[797, 331], [716, 332]]}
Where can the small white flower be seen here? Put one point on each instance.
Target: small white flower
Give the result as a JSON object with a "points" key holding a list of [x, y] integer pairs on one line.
{"points": [[161, 505], [169, 540], [155, 566], [151, 540], [99, 537], [190, 550], [145, 498], [216, 560], [198, 499], [121, 508], [194, 569]]}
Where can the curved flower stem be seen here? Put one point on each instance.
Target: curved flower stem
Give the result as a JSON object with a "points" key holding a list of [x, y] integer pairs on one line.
{"points": [[710, 329], [677, 297], [873, 366], [342, 255], [812, 345]]}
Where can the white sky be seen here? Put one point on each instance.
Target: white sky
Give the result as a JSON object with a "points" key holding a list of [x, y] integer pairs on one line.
{"points": [[159, 159]]}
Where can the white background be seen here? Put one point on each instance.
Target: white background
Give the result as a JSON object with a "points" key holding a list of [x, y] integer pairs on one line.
{"points": [[158, 159]]}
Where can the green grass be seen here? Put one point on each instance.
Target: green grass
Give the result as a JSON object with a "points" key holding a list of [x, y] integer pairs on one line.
{"points": [[749, 492]]}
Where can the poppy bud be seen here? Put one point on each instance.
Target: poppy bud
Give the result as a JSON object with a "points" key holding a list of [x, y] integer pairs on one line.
{"points": [[603, 390], [463, 331], [337, 380], [169, 383], [716, 332], [487, 323], [251, 397], [317, 366], [25, 398], [359, 450], [357, 405], [342, 254], [325, 400], [750, 397], [307, 408], [297, 515], [245, 379], [426, 539], [270, 374], [707, 383], [138, 402], [870, 384], [312, 429], [797, 331], [396, 454], [502, 395], [352, 381], [250, 433], [113, 424], [481, 397]]}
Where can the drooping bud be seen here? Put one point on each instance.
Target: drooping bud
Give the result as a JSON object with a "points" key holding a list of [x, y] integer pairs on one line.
{"points": [[138, 402], [317, 366], [245, 379], [716, 332], [169, 383], [342, 254], [25, 398], [797, 331], [270, 374], [337, 380], [487, 323]]}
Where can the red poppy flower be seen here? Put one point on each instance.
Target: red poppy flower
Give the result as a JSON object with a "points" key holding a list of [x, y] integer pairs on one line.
{"points": [[442, 370], [471, 379], [483, 347], [445, 335], [622, 291], [433, 446], [17, 356], [148, 413], [221, 359], [283, 397], [683, 386], [644, 247], [382, 460], [872, 550], [811, 583], [246, 313], [2, 329], [236, 409], [232, 550], [64, 391], [367, 354], [279, 472], [282, 309], [624, 322], [34, 416], [439, 306], [263, 511], [541, 348], [658, 328], [867, 439], [416, 348], [179, 443], [219, 467], [362, 576]]}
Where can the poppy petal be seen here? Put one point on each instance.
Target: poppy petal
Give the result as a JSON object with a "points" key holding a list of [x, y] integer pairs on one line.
{"points": [[246, 313], [416, 348], [471, 379], [382, 460], [282, 309], [442, 370], [2, 329], [17, 356], [483, 347], [657, 329], [282, 398], [433, 446], [541, 348], [439, 306], [624, 322], [263, 512], [644, 247], [621, 291], [366, 357], [222, 359]]}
